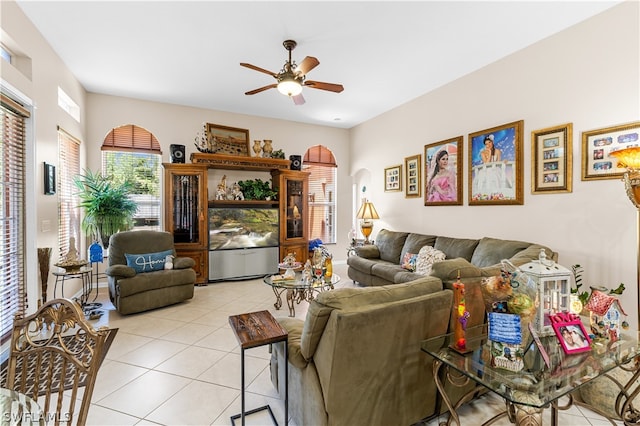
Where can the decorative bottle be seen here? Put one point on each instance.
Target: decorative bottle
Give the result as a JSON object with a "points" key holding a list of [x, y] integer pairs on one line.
{"points": [[328, 273]]}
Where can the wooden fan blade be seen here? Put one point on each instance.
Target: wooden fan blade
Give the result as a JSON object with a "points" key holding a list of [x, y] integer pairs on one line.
{"points": [[307, 65], [298, 99], [253, 67], [331, 87], [261, 89]]}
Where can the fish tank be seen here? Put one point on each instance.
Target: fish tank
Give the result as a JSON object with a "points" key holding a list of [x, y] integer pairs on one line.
{"points": [[241, 228]]}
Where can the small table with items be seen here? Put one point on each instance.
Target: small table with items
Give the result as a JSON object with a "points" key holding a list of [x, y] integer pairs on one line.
{"points": [[297, 289], [86, 275], [257, 329], [528, 391]]}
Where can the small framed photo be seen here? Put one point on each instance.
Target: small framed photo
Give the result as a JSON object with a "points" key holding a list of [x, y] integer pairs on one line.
{"points": [[228, 140], [49, 179], [551, 159], [495, 165], [571, 333], [596, 146], [443, 173], [393, 178], [413, 187]]}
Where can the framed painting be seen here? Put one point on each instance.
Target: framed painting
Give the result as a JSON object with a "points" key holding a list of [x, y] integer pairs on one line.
{"points": [[596, 146], [413, 183], [227, 140], [393, 178], [551, 159], [49, 179], [495, 165], [571, 333], [443, 173]]}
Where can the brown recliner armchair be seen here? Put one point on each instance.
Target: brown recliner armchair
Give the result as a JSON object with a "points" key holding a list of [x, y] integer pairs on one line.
{"points": [[143, 283]]}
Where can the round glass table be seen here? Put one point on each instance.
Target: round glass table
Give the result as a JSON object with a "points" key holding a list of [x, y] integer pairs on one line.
{"points": [[297, 290]]}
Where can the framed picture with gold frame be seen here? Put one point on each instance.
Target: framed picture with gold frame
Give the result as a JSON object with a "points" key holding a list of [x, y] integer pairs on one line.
{"points": [[393, 178], [597, 144], [228, 140], [413, 183], [443, 173], [495, 165], [551, 159]]}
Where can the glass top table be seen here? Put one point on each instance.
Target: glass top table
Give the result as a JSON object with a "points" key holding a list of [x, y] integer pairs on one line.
{"points": [[298, 290], [536, 385]]}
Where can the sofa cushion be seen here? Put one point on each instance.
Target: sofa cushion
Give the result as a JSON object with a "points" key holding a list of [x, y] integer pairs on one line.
{"points": [[448, 270], [426, 258], [409, 261], [147, 262], [155, 280], [369, 251], [387, 271], [314, 323], [415, 242], [351, 298], [490, 251], [390, 245], [456, 247]]}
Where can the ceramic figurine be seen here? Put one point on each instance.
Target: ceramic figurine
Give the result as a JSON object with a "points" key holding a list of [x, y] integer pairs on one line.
{"points": [[267, 148], [168, 262], [221, 192], [236, 192], [256, 147]]}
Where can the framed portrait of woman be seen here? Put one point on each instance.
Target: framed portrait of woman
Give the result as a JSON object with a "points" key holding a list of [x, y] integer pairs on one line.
{"points": [[571, 334], [443, 173], [495, 165]]}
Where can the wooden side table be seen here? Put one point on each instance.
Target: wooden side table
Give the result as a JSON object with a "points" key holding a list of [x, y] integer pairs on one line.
{"points": [[257, 329]]}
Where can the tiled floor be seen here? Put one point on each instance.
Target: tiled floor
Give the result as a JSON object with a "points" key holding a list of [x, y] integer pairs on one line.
{"points": [[180, 365]]}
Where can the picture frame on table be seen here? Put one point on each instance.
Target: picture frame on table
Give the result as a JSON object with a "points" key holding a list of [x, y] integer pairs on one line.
{"points": [[393, 178], [49, 179], [551, 159], [597, 144], [413, 181], [443, 187], [228, 140], [495, 165], [572, 335]]}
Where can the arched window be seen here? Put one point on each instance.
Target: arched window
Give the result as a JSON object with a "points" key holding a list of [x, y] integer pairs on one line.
{"points": [[132, 153], [320, 162]]}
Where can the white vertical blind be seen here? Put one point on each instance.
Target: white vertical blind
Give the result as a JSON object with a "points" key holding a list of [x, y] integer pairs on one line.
{"points": [[68, 210], [12, 223]]}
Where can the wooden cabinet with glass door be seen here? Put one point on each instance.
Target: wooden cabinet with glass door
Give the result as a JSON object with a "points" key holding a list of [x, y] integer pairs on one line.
{"points": [[293, 189], [185, 213]]}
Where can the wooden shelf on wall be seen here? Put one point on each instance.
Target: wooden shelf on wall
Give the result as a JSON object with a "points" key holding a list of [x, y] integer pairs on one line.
{"points": [[234, 162], [243, 203]]}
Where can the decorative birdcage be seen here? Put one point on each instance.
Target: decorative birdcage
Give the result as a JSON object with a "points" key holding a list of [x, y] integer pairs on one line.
{"points": [[553, 282]]}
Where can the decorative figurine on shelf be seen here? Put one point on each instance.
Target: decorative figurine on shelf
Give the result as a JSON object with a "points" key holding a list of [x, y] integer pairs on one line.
{"points": [[71, 261], [462, 316], [267, 148], [306, 272], [236, 192], [221, 192], [72, 254], [256, 147]]}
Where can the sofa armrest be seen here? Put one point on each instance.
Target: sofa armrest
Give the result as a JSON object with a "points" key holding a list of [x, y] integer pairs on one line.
{"points": [[294, 328], [183, 263], [120, 271], [369, 251], [448, 269]]}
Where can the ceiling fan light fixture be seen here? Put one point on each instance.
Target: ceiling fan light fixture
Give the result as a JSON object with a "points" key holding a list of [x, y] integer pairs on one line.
{"points": [[289, 87]]}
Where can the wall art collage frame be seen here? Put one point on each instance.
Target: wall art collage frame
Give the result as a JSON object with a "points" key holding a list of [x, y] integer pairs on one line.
{"points": [[495, 164]]}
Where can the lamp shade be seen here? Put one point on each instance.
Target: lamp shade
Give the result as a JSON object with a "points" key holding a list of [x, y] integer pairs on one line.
{"points": [[628, 156], [289, 86], [367, 211]]}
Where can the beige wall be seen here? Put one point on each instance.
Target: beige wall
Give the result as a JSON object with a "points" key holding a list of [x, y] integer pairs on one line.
{"points": [[38, 78], [587, 75]]}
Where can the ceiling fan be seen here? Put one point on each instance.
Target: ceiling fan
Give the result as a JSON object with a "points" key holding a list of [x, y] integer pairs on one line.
{"points": [[292, 77]]}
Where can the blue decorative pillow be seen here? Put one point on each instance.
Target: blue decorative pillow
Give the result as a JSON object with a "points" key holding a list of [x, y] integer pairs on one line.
{"points": [[147, 262]]}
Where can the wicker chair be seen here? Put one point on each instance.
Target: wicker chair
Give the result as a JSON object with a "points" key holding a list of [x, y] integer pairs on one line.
{"points": [[54, 353]]}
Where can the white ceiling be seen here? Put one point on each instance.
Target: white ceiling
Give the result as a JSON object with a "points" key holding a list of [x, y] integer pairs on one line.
{"points": [[384, 53]]}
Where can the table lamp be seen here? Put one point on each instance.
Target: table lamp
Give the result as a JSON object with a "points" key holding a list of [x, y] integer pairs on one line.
{"points": [[629, 157], [367, 213]]}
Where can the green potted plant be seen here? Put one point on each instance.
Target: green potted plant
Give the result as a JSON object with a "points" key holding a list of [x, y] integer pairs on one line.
{"points": [[257, 189], [108, 207]]}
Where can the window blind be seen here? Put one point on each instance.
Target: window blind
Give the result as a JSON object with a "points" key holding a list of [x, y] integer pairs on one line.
{"points": [[12, 227], [131, 138], [321, 163], [68, 210]]}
